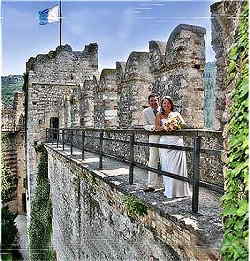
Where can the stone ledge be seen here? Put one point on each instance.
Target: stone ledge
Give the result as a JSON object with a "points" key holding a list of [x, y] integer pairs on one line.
{"points": [[201, 231]]}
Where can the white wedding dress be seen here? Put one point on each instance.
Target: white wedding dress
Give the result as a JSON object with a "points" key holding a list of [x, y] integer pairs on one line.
{"points": [[173, 161]]}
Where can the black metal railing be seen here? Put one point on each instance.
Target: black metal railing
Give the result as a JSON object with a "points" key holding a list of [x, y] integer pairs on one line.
{"points": [[99, 140]]}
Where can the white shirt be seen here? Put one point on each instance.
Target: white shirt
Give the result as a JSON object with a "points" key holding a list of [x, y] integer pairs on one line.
{"points": [[149, 119]]}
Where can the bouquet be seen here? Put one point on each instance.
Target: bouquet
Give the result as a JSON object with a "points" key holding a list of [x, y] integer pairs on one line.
{"points": [[172, 124]]}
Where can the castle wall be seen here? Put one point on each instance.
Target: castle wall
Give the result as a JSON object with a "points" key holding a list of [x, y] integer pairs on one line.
{"points": [[134, 89], [209, 94], [21, 172], [64, 84], [19, 100], [8, 118], [9, 156], [99, 115], [87, 108], [179, 71], [224, 18], [105, 101], [13, 148], [120, 72], [91, 222], [54, 91], [64, 66], [108, 85]]}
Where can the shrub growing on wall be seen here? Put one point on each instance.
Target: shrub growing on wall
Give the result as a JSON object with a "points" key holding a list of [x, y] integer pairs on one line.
{"points": [[235, 200], [8, 228], [41, 213]]}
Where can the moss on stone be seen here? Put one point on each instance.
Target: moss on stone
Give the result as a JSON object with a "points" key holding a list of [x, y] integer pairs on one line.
{"points": [[40, 228], [134, 206]]}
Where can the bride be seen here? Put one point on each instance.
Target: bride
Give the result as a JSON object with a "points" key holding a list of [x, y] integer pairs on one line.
{"points": [[173, 161]]}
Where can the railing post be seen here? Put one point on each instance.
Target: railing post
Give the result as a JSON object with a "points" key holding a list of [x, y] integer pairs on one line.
{"points": [[83, 140], [71, 143], [52, 136], [57, 140], [131, 158], [49, 130], [46, 135], [63, 139], [196, 173], [101, 150]]}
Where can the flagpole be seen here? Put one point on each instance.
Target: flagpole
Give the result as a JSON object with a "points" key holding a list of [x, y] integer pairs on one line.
{"points": [[60, 8]]}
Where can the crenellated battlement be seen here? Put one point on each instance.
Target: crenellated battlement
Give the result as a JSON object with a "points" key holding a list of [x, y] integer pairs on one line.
{"points": [[65, 88]]}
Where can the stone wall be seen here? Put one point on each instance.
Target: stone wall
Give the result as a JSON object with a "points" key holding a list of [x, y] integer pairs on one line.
{"points": [[21, 172], [65, 85], [55, 90], [13, 150], [178, 72], [87, 107], [120, 71], [209, 96], [105, 102], [19, 100], [13, 115], [64, 88], [64, 66], [14, 156], [9, 156], [8, 118], [135, 89], [91, 222], [225, 18], [120, 95]]}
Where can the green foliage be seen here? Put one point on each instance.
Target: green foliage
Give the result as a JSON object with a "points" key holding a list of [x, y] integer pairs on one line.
{"points": [[235, 200], [7, 257], [8, 228], [41, 213], [135, 207], [8, 91]]}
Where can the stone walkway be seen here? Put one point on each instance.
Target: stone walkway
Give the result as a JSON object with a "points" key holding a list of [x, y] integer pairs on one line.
{"points": [[207, 222], [21, 224]]}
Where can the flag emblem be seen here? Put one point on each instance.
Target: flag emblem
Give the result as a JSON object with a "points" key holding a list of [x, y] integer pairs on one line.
{"points": [[50, 15]]}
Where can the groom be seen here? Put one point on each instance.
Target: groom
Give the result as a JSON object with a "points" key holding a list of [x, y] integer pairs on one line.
{"points": [[154, 180]]}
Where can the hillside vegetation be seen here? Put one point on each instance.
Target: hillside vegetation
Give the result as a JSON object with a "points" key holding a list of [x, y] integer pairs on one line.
{"points": [[10, 85]]}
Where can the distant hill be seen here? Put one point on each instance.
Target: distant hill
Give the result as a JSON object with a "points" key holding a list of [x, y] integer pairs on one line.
{"points": [[10, 84]]}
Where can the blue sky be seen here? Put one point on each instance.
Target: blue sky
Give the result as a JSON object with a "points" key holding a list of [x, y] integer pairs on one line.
{"points": [[118, 27]]}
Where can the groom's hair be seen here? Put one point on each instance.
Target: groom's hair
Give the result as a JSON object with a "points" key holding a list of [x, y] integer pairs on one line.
{"points": [[152, 95]]}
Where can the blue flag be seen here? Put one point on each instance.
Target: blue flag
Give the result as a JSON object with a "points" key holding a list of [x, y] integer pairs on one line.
{"points": [[50, 15]]}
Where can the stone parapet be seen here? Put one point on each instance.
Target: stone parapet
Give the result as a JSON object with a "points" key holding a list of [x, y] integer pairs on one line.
{"points": [[106, 99], [178, 71], [77, 65], [134, 89], [92, 218]]}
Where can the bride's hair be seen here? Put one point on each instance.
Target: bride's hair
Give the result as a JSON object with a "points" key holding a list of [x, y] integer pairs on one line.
{"points": [[170, 100]]}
